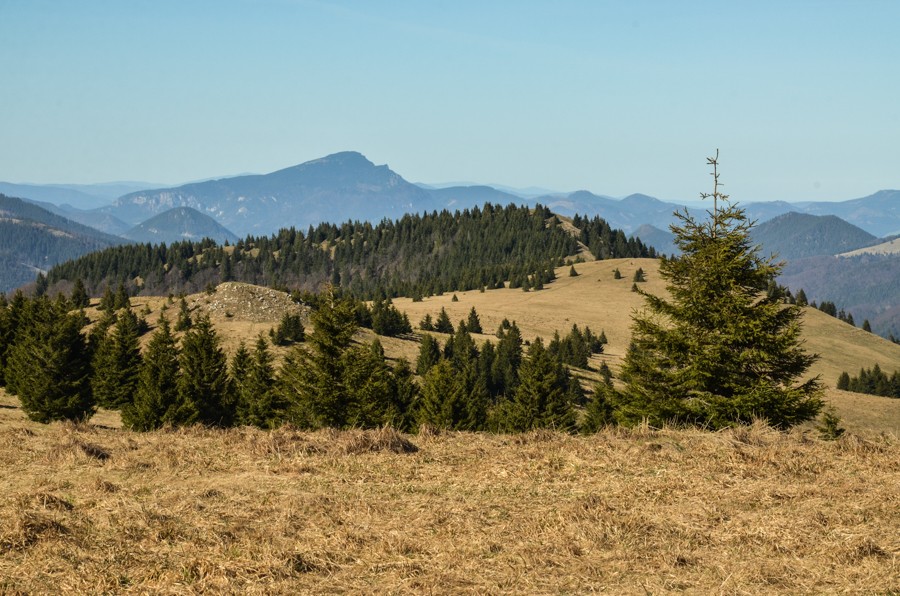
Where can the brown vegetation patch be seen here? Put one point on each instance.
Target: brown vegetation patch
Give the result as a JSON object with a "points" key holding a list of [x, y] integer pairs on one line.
{"points": [[749, 510]]}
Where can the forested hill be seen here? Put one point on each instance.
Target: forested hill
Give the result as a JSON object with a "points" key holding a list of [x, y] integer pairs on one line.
{"points": [[799, 235], [416, 255], [32, 239]]}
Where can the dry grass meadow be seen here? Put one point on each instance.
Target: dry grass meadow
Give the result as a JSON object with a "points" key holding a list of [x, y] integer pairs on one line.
{"points": [[92, 508]]}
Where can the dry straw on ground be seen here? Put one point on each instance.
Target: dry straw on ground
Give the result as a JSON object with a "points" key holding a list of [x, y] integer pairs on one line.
{"points": [[91, 510]]}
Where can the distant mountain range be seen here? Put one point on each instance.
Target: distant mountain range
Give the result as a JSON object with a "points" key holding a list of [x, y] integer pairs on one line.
{"points": [[335, 188], [77, 196], [347, 186], [180, 223]]}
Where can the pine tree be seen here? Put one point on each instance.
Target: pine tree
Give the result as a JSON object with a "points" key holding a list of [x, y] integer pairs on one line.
{"points": [[617, 274], [830, 429], [47, 365], [184, 321], [371, 386], [107, 301], [443, 324], [639, 275], [40, 285], [843, 382], [443, 398], [473, 323], [204, 392], [121, 299], [116, 364], [429, 354], [401, 413], [239, 371], [505, 373], [253, 375], [290, 330], [6, 334], [572, 272], [800, 299], [866, 326], [599, 410], [79, 297], [543, 398], [719, 351], [156, 396], [312, 378]]}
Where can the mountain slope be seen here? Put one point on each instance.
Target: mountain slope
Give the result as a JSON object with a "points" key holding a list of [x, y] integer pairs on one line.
{"points": [[866, 286], [57, 195], [180, 223], [103, 222], [338, 187], [662, 240], [799, 235], [461, 197], [33, 239]]}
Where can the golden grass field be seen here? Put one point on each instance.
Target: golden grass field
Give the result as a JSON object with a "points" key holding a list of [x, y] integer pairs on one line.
{"points": [[92, 508]]}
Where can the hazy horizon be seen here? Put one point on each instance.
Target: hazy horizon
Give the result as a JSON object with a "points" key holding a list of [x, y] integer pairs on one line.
{"points": [[607, 97]]}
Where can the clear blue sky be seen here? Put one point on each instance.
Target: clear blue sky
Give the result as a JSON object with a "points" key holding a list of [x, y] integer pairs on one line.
{"points": [[801, 97]]}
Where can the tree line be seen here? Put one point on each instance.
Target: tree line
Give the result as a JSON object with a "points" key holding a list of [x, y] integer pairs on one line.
{"points": [[417, 255], [873, 381]]}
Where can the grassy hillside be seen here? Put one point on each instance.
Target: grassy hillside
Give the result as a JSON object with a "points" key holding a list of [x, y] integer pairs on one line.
{"points": [[594, 298], [888, 247], [90, 509]]}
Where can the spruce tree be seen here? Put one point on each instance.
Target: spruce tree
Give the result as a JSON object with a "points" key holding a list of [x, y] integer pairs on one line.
{"points": [[312, 378], [370, 385], [473, 322], [429, 354], [156, 396], [505, 373], [843, 382], [543, 398], [79, 297], [204, 391], [254, 380], [239, 371], [107, 301], [184, 321], [47, 364], [443, 403], [401, 412], [6, 335], [718, 351], [121, 299], [116, 363], [443, 324]]}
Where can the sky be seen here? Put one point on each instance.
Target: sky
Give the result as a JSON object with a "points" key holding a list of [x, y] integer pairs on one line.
{"points": [[800, 98]]}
